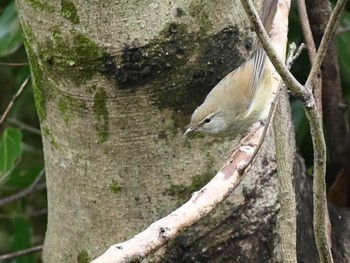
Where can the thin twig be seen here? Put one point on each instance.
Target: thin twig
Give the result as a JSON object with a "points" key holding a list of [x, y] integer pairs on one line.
{"points": [[291, 59], [305, 25], [32, 188], [21, 253], [24, 126], [22, 194], [327, 37], [342, 30], [311, 47], [6, 175], [294, 55], [18, 93], [267, 124], [321, 217], [14, 64], [336, 120], [24, 215], [277, 62], [316, 129]]}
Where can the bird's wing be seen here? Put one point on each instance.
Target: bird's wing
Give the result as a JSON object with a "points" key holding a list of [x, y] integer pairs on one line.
{"points": [[257, 61]]}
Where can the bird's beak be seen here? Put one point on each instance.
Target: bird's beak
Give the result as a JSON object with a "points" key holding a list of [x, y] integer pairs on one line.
{"points": [[190, 129]]}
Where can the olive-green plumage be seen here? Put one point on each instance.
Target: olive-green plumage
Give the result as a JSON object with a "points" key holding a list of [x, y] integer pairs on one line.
{"points": [[243, 96]]}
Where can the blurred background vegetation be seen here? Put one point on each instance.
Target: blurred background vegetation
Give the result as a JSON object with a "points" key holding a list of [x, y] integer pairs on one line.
{"points": [[23, 222]]}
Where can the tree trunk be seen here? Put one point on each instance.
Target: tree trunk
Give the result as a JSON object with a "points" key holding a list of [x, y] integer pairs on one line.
{"points": [[114, 86], [115, 83]]}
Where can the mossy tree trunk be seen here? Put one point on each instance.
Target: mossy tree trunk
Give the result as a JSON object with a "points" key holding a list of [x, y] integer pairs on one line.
{"points": [[115, 83]]}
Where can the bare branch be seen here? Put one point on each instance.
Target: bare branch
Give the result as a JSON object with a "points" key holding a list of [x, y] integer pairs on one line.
{"points": [[32, 188], [201, 203], [275, 59], [24, 215], [327, 37], [342, 30], [24, 126], [285, 150], [316, 129], [294, 55], [21, 253], [14, 64], [18, 93], [335, 114], [305, 25], [7, 174], [311, 47]]}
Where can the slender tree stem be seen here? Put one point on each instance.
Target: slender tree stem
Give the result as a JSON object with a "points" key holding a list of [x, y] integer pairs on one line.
{"points": [[24, 126], [21, 253], [12, 102], [311, 47], [285, 150], [327, 37], [316, 129], [14, 64], [277, 62], [32, 188]]}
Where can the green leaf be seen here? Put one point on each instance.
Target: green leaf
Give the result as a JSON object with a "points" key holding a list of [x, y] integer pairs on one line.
{"points": [[302, 131], [10, 149], [22, 177], [344, 48], [10, 31], [344, 53], [22, 235]]}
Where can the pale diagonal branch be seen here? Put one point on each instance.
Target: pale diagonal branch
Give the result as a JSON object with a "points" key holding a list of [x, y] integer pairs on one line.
{"points": [[200, 204], [12, 102]]}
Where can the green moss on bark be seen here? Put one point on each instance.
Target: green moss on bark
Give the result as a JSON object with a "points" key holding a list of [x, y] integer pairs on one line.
{"points": [[46, 132], [180, 64], [83, 257], [69, 11], [115, 187], [199, 11], [41, 5], [183, 192], [37, 89], [36, 71], [77, 60]]}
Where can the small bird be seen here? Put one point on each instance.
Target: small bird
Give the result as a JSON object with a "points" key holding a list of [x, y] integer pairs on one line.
{"points": [[242, 97]]}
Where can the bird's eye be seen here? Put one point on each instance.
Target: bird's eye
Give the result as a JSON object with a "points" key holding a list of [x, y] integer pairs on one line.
{"points": [[207, 120]]}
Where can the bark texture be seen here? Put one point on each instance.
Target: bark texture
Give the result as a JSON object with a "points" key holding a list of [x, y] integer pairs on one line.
{"points": [[115, 83], [334, 106], [285, 151]]}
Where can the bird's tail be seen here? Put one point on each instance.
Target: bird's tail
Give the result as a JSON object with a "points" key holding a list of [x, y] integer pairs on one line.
{"points": [[269, 13], [267, 17]]}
